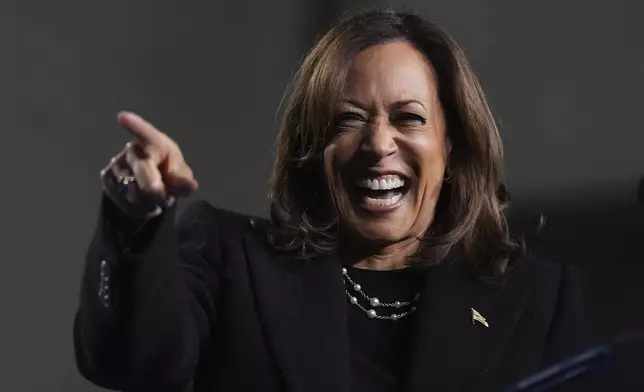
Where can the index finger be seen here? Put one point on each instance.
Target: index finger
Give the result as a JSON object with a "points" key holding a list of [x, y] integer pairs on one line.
{"points": [[141, 129]]}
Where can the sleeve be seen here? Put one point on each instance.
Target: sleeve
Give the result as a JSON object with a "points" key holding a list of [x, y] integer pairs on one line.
{"points": [[147, 300], [569, 331]]}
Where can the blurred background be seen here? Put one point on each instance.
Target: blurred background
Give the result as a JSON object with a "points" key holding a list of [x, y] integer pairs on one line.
{"points": [[564, 79]]}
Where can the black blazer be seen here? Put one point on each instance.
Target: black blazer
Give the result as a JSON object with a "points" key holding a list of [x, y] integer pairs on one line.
{"points": [[209, 300]]}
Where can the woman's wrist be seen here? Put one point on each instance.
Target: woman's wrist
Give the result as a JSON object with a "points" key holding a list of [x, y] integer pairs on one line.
{"points": [[124, 191]]}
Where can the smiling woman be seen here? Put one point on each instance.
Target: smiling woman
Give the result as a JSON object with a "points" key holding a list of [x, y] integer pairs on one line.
{"points": [[408, 109], [390, 129], [386, 265]]}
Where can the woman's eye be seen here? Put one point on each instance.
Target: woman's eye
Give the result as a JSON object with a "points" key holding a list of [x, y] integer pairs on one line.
{"points": [[409, 119], [349, 120]]}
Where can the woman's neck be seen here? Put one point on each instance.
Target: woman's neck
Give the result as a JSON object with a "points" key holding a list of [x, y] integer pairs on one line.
{"points": [[390, 257], [380, 263]]}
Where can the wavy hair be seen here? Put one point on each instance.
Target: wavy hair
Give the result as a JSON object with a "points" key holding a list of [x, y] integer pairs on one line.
{"points": [[469, 222]]}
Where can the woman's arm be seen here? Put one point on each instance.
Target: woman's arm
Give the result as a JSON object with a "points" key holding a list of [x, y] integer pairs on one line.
{"points": [[569, 331], [147, 302]]}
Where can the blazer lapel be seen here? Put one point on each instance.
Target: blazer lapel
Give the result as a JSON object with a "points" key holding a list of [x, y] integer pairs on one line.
{"points": [[303, 308], [451, 349]]}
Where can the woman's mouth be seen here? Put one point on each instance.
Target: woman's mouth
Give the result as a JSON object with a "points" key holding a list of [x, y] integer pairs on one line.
{"points": [[382, 193]]}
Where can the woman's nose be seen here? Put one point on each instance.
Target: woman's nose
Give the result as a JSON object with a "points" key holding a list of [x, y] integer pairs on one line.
{"points": [[379, 139]]}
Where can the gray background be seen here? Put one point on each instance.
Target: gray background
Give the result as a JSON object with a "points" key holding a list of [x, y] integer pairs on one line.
{"points": [[564, 78]]}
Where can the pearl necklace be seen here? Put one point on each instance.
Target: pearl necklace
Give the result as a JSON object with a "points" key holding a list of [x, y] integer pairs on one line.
{"points": [[374, 302]]}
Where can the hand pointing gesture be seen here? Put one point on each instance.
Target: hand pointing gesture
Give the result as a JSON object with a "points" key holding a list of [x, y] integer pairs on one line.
{"points": [[149, 171]]}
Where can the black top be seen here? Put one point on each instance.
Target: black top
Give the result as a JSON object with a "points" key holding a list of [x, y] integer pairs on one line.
{"points": [[208, 300], [380, 348]]}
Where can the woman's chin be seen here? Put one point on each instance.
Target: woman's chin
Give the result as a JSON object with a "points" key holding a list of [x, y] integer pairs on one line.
{"points": [[380, 231]]}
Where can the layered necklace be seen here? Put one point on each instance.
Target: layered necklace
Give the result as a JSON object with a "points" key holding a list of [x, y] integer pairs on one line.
{"points": [[372, 306]]}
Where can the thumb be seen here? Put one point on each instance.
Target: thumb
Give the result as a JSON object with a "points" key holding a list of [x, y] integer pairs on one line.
{"points": [[181, 181]]}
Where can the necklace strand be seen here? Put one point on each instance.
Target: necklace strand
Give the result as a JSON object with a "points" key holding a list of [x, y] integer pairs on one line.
{"points": [[375, 302]]}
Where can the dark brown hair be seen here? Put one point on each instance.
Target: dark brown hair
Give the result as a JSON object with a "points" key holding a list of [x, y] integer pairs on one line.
{"points": [[469, 220]]}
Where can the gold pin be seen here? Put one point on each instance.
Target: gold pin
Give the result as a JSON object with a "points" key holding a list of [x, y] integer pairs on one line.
{"points": [[476, 316]]}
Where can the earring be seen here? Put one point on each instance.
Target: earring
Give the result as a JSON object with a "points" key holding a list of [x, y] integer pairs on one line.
{"points": [[448, 174]]}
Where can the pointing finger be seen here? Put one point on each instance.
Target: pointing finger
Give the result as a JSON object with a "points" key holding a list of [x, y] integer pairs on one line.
{"points": [[141, 129]]}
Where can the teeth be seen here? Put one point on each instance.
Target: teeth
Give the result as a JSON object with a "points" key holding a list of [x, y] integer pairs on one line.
{"points": [[384, 202], [382, 183]]}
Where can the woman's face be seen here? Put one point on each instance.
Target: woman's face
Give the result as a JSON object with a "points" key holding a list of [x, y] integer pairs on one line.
{"points": [[386, 160]]}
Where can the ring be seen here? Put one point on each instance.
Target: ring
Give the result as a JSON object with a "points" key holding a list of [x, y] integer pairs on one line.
{"points": [[124, 184], [125, 180]]}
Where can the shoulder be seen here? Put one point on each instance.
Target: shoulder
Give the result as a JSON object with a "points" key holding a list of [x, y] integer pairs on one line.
{"points": [[563, 278], [552, 287], [201, 216], [542, 273]]}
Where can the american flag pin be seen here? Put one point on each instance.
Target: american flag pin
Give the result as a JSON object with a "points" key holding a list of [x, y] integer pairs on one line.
{"points": [[476, 316]]}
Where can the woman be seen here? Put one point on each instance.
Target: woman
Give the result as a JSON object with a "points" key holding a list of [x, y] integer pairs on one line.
{"points": [[386, 264]]}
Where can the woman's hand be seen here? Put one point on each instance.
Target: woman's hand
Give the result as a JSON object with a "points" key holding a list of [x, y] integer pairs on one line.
{"points": [[148, 172]]}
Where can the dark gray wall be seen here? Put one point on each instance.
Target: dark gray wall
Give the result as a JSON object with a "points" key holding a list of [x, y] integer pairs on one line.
{"points": [[564, 80]]}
